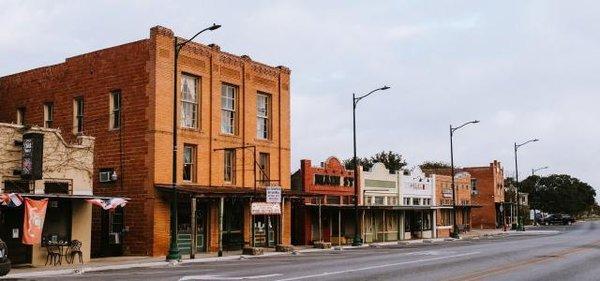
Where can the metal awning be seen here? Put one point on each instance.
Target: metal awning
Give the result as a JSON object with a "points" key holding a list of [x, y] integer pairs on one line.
{"points": [[231, 191]]}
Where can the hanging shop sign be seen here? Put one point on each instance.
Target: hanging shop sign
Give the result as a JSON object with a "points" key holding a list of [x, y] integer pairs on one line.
{"points": [[265, 208], [33, 152], [273, 194]]}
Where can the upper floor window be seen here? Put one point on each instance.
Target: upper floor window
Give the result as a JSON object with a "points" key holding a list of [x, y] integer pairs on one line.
{"points": [[263, 102], [189, 101], [228, 109], [78, 115], [229, 166], [115, 110], [48, 114], [264, 163], [21, 116], [189, 163], [473, 184]]}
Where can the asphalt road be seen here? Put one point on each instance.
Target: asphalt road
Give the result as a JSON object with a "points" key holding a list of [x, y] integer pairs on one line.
{"points": [[571, 254]]}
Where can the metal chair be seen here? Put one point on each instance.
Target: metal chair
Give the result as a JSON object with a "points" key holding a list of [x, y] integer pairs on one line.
{"points": [[54, 255], [75, 249]]}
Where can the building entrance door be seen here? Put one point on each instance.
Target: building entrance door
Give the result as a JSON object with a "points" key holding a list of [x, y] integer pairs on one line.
{"points": [[233, 224], [11, 232], [201, 222], [265, 231]]}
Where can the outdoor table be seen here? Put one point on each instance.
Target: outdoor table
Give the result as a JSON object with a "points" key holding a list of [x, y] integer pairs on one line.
{"points": [[61, 248]]}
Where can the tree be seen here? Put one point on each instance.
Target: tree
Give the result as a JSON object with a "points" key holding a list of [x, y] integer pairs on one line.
{"points": [[562, 194], [434, 165], [366, 163], [393, 161]]}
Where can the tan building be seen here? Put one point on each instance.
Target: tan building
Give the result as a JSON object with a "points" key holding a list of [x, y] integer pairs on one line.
{"points": [[66, 180], [444, 203], [123, 96]]}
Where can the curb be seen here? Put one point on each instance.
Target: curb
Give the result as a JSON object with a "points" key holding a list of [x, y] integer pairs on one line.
{"points": [[81, 270]]}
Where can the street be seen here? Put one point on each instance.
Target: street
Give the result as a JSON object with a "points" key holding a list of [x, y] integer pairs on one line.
{"points": [[571, 254]]}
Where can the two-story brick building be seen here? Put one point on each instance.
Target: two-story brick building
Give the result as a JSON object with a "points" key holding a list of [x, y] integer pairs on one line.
{"points": [[123, 96], [329, 215], [444, 203], [487, 189]]}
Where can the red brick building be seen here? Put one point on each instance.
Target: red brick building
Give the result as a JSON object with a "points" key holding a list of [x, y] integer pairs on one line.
{"points": [[444, 200], [123, 96], [329, 216], [487, 193]]}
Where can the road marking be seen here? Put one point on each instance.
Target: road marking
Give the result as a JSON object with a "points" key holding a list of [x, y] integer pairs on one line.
{"points": [[376, 266], [217, 277]]}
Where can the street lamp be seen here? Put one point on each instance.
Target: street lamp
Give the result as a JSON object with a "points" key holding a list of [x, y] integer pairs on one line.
{"points": [[452, 130], [357, 239], [173, 248], [533, 171], [517, 146]]}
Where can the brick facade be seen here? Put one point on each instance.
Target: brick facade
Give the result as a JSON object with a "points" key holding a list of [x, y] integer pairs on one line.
{"points": [[443, 190], [140, 152]]}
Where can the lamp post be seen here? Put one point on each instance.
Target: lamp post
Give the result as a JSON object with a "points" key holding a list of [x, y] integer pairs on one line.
{"points": [[173, 254], [452, 130], [357, 239], [533, 171], [517, 146]]}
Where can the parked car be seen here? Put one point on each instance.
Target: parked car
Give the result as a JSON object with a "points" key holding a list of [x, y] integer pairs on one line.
{"points": [[4, 261], [558, 219]]}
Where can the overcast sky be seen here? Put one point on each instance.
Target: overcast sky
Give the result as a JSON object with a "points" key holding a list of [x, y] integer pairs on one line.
{"points": [[526, 69]]}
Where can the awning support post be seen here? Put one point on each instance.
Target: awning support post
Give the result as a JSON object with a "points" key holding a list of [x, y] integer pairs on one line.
{"points": [[221, 209]]}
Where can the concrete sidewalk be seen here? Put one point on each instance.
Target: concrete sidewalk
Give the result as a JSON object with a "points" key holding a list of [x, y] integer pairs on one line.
{"points": [[115, 263]]}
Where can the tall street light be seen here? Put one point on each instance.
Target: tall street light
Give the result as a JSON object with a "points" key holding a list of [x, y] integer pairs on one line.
{"points": [[533, 171], [452, 130], [173, 248], [517, 146], [357, 239]]}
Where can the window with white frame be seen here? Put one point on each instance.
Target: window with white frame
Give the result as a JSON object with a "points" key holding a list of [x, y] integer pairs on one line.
{"points": [[263, 102], [48, 114], [115, 110], [407, 201], [189, 163], [189, 101], [228, 109], [229, 166], [416, 201]]}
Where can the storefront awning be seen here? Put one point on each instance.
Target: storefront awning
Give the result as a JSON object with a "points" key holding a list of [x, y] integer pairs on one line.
{"points": [[225, 191]]}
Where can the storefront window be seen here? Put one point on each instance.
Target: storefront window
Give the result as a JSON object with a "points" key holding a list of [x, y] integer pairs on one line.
{"points": [[57, 225]]}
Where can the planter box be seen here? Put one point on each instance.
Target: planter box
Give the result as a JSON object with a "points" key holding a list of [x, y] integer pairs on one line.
{"points": [[284, 248], [252, 251], [323, 245]]}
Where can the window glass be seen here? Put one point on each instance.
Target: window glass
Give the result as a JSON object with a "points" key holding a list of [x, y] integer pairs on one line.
{"points": [[189, 101], [228, 109], [262, 116]]}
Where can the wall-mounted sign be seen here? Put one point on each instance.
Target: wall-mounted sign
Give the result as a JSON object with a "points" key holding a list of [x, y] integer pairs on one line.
{"points": [[264, 208], [447, 193], [273, 194], [333, 180], [33, 156]]}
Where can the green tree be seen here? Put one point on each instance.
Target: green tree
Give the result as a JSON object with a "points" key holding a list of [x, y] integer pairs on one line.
{"points": [[393, 161], [434, 165], [564, 194], [366, 163]]}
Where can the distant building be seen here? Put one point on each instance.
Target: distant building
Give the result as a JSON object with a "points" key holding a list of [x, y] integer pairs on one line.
{"points": [[396, 206], [444, 203], [487, 189], [328, 215]]}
